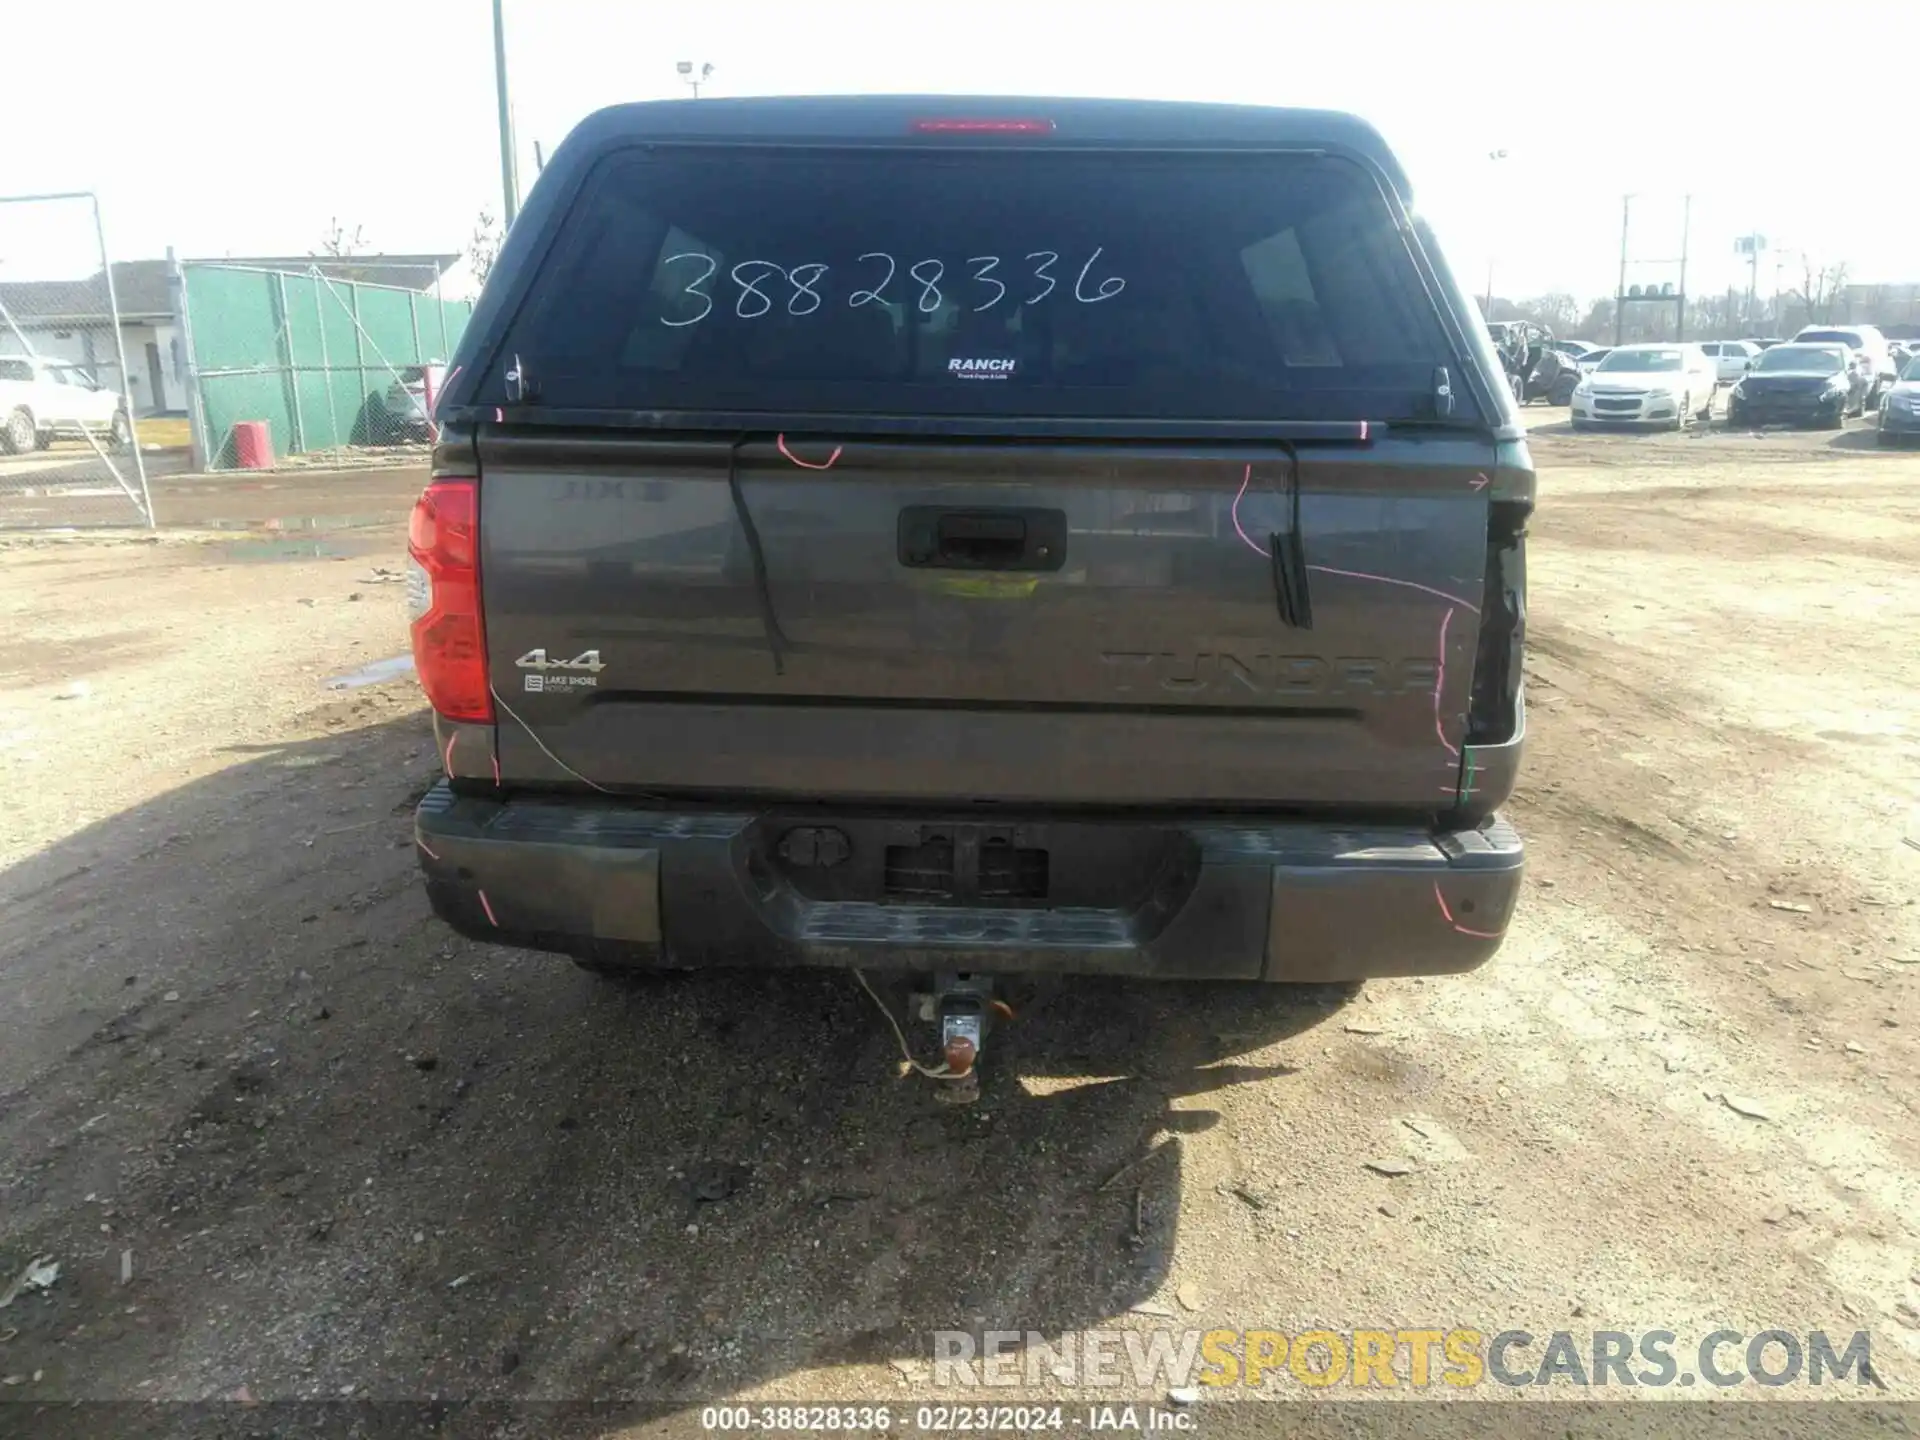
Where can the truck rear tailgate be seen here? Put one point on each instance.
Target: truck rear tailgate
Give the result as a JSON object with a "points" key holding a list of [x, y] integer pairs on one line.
{"points": [[899, 635]]}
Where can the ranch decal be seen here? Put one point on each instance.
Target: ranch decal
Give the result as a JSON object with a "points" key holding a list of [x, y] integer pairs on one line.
{"points": [[981, 367]]}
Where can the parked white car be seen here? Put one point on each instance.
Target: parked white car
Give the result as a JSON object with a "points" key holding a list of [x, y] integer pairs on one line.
{"points": [[1666, 385], [40, 401], [1732, 358]]}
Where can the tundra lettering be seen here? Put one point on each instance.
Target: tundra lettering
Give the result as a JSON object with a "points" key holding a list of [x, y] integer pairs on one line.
{"points": [[1220, 672]]}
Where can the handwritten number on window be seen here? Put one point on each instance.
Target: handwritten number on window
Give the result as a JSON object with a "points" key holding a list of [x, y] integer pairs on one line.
{"points": [[875, 295], [750, 290], [985, 276], [807, 298], [803, 288], [693, 286], [929, 284], [1109, 287], [1040, 273]]}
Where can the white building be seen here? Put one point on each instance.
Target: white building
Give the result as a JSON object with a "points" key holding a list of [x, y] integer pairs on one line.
{"points": [[70, 321]]}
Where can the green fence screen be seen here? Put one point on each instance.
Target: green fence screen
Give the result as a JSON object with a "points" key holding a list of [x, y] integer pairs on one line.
{"points": [[312, 356]]}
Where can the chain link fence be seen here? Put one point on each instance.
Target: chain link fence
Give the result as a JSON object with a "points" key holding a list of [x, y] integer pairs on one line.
{"points": [[329, 358], [86, 349]]}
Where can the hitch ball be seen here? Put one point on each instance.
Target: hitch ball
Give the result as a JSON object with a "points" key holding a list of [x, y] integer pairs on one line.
{"points": [[960, 1052]]}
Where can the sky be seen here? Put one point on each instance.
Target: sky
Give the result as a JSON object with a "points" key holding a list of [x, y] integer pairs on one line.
{"points": [[219, 127]]}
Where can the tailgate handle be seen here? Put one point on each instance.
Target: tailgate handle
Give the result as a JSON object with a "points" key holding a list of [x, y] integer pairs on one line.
{"points": [[982, 538], [1013, 539]]}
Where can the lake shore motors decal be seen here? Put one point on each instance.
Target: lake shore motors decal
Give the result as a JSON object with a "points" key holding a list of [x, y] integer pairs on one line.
{"points": [[580, 673]]}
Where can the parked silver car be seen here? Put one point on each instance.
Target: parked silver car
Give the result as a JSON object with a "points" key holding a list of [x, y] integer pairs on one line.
{"points": [[405, 413]]}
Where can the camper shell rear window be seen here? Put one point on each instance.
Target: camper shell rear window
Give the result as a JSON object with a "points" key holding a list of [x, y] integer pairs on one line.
{"points": [[1056, 284]]}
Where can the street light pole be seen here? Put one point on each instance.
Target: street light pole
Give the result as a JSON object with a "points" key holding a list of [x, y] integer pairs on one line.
{"points": [[695, 78], [1620, 294], [1493, 155], [1751, 245], [1686, 231], [509, 178]]}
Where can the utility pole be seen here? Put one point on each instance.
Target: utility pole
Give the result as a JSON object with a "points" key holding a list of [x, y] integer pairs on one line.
{"points": [[509, 176], [1751, 246], [1620, 295], [1494, 156], [1686, 229]]}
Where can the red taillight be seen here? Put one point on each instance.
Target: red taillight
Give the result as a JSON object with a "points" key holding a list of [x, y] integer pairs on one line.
{"points": [[449, 641], [956, 126]]}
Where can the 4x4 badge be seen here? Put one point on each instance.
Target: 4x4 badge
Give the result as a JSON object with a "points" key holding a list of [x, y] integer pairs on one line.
{"points": [[583, 671], [588, 660]]}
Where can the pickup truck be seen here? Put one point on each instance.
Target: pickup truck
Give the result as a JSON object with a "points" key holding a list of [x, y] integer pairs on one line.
{"points": [[973, 536], [40, 401]]}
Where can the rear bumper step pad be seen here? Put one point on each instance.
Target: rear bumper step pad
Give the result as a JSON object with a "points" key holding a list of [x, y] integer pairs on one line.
{"points": [[1295, 901]]}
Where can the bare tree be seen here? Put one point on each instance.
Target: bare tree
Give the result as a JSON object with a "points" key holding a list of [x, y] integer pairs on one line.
{"points": [[1821, 289], [1556, 312], [338, 241], [1717, 317], [1559, 312], [484, 248]]}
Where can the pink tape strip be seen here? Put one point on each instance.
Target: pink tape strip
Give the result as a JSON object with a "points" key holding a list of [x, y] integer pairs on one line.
{"points": [[432, 854], [1404, 584], [1440, 676], [781, 442], [1477, 934], [1245, 480], [433, 420], [487, 906], [1440, 684], [447, 759]]}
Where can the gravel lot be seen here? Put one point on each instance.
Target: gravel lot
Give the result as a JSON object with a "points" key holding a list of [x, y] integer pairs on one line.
{"points": [[349, 1153]]}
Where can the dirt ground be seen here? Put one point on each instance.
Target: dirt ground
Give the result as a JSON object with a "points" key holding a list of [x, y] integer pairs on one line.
{"points": [[343, 1152], [70, 485]]}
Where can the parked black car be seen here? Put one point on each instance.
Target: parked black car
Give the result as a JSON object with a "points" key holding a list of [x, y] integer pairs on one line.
{"points": [[1799, 385], [1900, 407]]}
